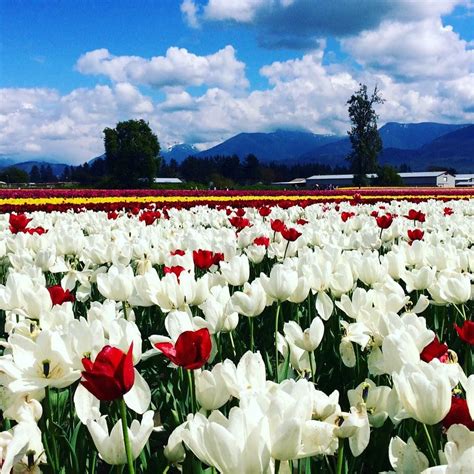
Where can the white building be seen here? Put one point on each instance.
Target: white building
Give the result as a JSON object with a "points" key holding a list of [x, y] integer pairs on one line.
{"points": [[464, 180], [419, 178], [441, 179], [167, 181]]}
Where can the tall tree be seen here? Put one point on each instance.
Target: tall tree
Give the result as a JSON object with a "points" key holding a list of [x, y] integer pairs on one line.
{"points": [[251, 169], [132, 152], [364, 135], [35, 176]]}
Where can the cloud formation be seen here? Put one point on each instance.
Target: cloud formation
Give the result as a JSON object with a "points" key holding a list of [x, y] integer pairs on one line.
{"points": [[413, 51], [297, 24], [178, 67], [301, 93], [424, 70]]}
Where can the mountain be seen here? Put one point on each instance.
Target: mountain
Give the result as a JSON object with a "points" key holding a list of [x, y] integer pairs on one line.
{"points": [[411, 136], [179, 152], [276, 146], [332, 153], [419, 146]]}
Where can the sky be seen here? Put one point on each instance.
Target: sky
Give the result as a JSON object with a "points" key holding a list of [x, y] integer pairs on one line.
{"points": [[201, 71]]}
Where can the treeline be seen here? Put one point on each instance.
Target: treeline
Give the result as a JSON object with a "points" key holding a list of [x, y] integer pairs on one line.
{"points": [[229, 171], [219, 171]]}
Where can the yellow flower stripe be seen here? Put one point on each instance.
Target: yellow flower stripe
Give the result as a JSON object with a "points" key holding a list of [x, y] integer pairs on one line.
{"points": [[78, 201]]}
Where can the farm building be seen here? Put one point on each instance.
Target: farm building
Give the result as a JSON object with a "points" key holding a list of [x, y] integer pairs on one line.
{"points": [[167, 181], [296, 183], [441, 179], [464, 180], [421, 178], [328, 181]]}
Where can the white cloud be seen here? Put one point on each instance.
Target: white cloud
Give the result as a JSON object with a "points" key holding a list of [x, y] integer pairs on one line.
{"points": [[243, 11], [297, 23], [413, 51], [178, 67], [301, 93], [42, 123], [189, 10]]}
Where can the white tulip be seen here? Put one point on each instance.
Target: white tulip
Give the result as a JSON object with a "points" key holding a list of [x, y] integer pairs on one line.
{"points": [[424, 392], [406, 457], [236, 271], [309, 339], [117, 283], [251, 301], [281, 283], [211, 389], [111, 446]]}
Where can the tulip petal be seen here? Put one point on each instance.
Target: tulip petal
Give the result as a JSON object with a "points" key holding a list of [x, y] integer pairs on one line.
{"points": [[138, 398]]}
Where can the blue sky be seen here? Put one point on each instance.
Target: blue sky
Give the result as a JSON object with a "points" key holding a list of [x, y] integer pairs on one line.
{"points": [[202, 71]]}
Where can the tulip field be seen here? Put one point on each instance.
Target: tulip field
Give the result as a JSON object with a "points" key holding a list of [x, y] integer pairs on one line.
{"points": [[237, 332]]}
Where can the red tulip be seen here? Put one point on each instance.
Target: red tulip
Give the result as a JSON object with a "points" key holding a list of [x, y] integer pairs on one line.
{"points": [[346, 215], [290, 234], [35, 230], [415, 234], [435, 350], [204, 259], [448, 211], [18, 223], [385, 221], [302, 222], [177, 270], [466, 332], [112, 215], [149, 217], [262, 241], [239, 222], [60, 296], [264, 211], [240, 212], [218, 257], [178, 252], [277, 225], [191, 351], [458, 414], [415, 215], [111, 375]]}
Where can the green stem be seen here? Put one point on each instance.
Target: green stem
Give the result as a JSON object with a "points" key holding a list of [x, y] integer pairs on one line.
{"points": [[430, 443], [251, 334], [286, 249], [313, 375], [232, 343], [340, 457], [277, 317], [124, 307], [126, 440], [51, 430], [277, 466], [192, 393]]}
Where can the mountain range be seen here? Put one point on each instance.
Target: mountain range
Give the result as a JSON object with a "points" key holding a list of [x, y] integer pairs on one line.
{"points": [[417, 145]]}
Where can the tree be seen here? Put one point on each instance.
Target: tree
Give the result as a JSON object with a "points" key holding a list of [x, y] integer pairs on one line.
{"points": [[132, 153], [14, 175], [364, 135], [387, 176], [35, 176], [251, 169]]}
